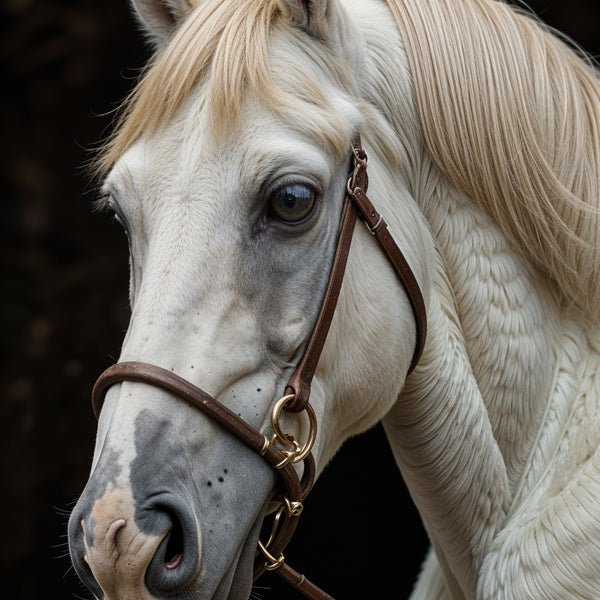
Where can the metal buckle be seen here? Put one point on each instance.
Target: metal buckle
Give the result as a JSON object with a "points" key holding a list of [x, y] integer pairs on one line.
{"points": [[373, 230], [358, 159], [294, 453], [360, 162]]}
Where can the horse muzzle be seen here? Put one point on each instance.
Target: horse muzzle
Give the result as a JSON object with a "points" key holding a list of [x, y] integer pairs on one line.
{"points": [[121, 550]]}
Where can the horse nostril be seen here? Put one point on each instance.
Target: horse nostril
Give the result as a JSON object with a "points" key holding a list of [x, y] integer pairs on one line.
{"points": [[176, 560], [174, 548]]}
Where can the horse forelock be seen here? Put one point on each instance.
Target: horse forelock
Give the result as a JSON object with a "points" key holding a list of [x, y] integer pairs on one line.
{"points": [[227, 45], [511, 116]]}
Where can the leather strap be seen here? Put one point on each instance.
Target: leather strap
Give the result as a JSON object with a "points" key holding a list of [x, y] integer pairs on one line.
{"points": [[183, 389], [299, 383], [356, 200], [378, 227], [300, 583], [296, 490]]}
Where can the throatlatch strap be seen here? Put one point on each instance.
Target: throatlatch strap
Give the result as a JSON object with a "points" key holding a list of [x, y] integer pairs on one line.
{"points": [[379, 229]]}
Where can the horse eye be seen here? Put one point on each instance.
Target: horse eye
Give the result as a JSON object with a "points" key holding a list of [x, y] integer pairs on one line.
{"points": [[292, 203], [117, 219], [117, 215]]}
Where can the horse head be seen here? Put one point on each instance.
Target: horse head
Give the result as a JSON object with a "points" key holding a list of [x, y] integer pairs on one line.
{"points": [[228, 174]]}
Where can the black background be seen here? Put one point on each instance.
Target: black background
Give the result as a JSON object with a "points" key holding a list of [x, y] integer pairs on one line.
{"points": [[63, 308]]}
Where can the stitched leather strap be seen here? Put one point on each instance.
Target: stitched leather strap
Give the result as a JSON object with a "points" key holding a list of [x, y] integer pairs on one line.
{"points": [[356, 200]]}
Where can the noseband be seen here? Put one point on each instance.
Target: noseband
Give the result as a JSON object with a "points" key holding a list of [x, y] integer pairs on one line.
{"points": [[281, 450]]}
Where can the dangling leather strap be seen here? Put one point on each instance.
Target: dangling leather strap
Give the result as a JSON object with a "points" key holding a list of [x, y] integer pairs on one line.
{"points": [[356, 200]]}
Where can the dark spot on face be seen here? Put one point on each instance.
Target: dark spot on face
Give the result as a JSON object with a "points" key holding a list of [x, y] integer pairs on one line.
{"points": [[221, 480], [225, 471], [259, 389], [209, 483]]}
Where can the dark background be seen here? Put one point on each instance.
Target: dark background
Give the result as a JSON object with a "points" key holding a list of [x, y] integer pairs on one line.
{"points": [[63, 306]]}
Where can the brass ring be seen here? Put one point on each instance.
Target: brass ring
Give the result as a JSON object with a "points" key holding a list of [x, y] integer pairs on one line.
{"points": [[350, 185], [284, 438], [299, 454], [273, 563], [363, 162]]}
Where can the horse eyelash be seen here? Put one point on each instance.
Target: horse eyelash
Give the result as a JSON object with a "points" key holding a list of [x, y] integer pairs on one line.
{"points": [[101, 204]]}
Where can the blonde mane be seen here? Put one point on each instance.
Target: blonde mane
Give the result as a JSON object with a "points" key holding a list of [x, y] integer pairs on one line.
{"points": [[227, 44], [511, 116]]}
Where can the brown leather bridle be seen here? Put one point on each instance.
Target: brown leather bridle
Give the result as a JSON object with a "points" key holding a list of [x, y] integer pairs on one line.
{"points": [[282, 451]]}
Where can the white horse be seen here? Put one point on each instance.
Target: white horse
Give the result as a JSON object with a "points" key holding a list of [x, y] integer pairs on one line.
{"points": [[228, 172]]}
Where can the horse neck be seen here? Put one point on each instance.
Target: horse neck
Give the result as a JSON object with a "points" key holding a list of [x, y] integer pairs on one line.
{"points": [[480, 419], [479, 422], [527, 347], [512, 321]]}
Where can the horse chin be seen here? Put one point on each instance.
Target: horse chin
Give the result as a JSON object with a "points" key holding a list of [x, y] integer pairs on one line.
{"points": [[237, 582]]}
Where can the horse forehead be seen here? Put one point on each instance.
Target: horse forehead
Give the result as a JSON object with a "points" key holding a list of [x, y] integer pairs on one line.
{"points": [[185, 166], [171, 168]]}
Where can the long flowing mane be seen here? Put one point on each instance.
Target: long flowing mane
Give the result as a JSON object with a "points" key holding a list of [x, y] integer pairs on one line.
{"points": [[511, 116]]}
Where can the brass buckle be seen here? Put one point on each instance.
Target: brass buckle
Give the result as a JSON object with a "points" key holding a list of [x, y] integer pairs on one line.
{"points": [[360, 162], [293, 452]]}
